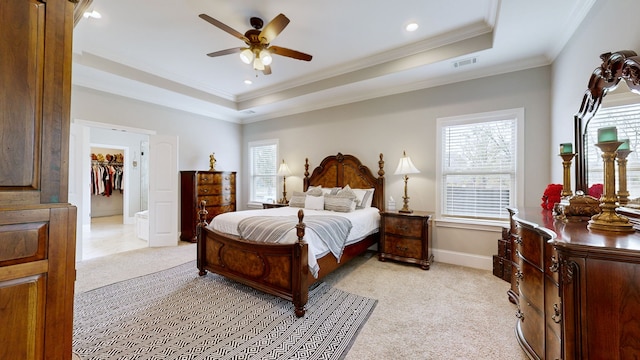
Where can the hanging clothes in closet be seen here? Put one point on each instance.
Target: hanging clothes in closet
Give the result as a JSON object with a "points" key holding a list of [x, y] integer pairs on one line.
{"points": [[107, 174]]}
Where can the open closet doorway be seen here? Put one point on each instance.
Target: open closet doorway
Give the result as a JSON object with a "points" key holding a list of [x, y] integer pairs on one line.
{"points": [[111, 218], [117, 190]]}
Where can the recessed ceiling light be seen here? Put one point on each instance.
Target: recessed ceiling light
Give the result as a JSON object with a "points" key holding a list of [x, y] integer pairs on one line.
{"points": [[92, 14], [411, 27], [248, 82]]}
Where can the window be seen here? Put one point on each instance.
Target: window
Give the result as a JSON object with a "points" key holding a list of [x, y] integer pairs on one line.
{"points": [[626, 118], [478, 164], [263, 160]]}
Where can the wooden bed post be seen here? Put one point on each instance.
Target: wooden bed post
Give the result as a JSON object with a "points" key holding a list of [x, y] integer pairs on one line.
{"points": [[202, 244], [305, 182], [300, 278]]}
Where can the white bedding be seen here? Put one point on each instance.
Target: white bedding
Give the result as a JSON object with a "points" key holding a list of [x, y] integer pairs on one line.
{"points": [[365, 222]]}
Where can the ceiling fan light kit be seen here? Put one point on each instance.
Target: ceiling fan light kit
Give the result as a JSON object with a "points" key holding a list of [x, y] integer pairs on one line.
{"points": [[246, 56], [259, 50], [265, 57]]}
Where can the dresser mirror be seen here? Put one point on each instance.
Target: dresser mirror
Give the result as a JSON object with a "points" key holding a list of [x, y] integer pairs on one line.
{"points": [[606, 79]]}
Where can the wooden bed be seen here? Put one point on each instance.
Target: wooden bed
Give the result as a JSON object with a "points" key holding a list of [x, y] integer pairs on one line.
{"points": [[282, 269]]}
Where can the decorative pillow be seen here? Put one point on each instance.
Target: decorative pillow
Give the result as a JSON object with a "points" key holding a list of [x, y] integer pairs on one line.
{"points": [[339, 203], [365, 197], [347, 192], [297, 199], [314, 202], [315, 191], [332, 191]]}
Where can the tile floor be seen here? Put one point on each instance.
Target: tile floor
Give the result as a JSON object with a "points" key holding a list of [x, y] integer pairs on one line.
{"points": [[108, 235]]}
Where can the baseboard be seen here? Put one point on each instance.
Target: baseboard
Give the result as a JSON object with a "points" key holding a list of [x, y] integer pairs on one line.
{"points": [[463, 259]]}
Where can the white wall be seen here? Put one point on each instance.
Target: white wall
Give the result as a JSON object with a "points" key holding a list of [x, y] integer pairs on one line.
{"points": [[198, 136], [611, 25], [407, 121]]}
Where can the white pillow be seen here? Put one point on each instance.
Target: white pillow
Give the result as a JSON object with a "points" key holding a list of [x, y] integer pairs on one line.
{"points": [[365, 197], [314, 202]]}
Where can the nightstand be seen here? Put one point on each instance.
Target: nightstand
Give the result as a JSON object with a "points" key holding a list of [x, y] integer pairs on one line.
{"points": [[406, 237], [273, 205]]}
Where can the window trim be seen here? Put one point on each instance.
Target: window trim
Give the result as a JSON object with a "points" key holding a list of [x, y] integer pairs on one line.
{"points": [[518, 198], [251, 144]]}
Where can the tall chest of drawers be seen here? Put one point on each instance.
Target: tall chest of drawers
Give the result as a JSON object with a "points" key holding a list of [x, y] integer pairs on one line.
{"points": [[216, 188]]}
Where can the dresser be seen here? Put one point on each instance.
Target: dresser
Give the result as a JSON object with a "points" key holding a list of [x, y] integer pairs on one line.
{"points": [[590, 289], [216, 188], [37, 224], [406, 237], [536, 279]]}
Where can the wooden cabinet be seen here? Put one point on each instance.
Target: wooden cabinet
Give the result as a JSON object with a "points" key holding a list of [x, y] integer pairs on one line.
{"points": [[589, 283], [216, 188], [37, 225], [406, 237], [37, 272]]}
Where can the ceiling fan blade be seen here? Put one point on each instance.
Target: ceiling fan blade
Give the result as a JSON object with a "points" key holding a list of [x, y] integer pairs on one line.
{"points": [[223, 27], [267, 70], [290, 53], [225, 52], [273, 28]]}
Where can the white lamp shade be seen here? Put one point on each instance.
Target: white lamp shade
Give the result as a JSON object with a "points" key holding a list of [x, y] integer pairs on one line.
{"points": [[246, 56], [265, 57], [283, 170], [257, 64], [405, 166]]}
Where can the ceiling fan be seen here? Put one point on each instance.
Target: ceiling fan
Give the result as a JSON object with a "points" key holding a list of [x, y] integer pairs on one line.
{"points": [[258, 50]]}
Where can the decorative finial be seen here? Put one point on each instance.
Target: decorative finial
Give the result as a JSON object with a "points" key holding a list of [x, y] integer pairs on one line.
{"points": [[212, 161]]}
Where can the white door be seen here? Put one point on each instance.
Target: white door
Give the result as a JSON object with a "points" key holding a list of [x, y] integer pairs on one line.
{"points": [[163, 190], [79, 165]]}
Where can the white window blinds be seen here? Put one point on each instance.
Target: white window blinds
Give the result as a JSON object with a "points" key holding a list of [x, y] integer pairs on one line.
{"points": [[626, 119], [263, 160], [478, 168]]}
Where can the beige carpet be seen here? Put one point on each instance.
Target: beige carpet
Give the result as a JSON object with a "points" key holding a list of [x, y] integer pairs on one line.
{"points": [[448, 312]]}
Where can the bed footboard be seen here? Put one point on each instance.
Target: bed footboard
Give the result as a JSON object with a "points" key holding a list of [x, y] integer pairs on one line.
{"points": [[277, 269]]}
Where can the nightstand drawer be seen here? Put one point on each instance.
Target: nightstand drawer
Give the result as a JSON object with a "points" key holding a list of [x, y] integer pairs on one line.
{"points": [[401, 246], [403, 226]]}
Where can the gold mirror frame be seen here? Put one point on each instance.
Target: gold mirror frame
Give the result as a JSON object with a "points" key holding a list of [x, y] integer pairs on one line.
{"points": [[620, 65]]}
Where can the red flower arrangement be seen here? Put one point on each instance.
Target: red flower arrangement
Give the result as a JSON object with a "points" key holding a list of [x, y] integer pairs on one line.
{"points": [[551, 196], [595, 190]]}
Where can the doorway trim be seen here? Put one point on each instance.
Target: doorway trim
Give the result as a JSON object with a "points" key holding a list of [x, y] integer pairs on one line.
{"points": [[85, 163]]}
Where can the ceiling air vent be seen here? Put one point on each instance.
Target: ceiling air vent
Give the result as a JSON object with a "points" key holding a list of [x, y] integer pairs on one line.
{"points": [[465, 62], [248, 112]]}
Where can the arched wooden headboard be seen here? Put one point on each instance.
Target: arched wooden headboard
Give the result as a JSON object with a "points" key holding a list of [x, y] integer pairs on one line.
{"points": [[342, 170]]}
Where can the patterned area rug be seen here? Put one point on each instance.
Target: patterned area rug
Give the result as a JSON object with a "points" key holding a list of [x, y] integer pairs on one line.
{"points": [[176, 314]]}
